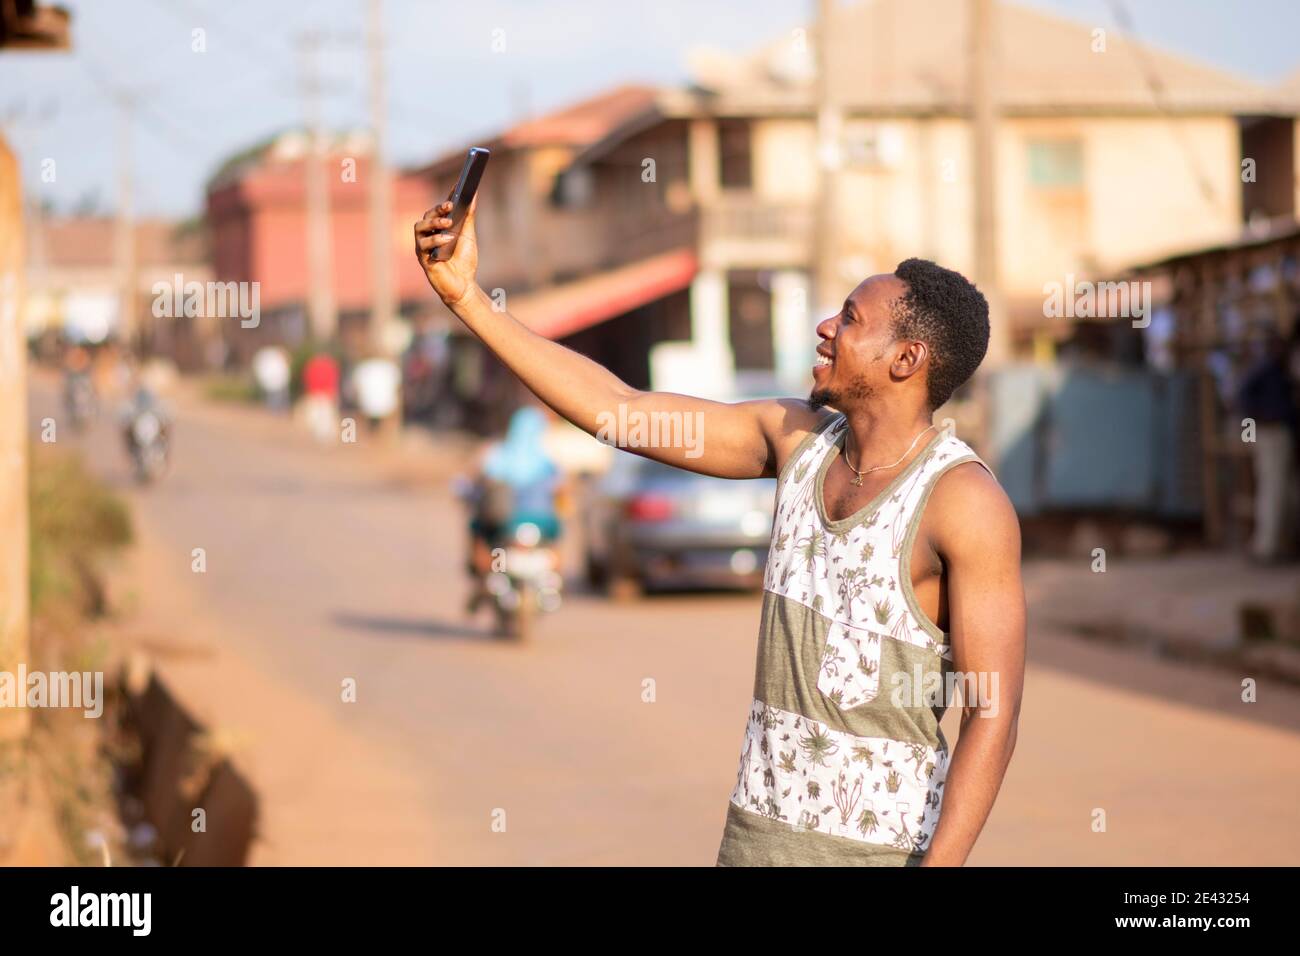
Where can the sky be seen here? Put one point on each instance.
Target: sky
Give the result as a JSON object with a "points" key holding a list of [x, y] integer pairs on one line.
{"points": [[446, 85]]}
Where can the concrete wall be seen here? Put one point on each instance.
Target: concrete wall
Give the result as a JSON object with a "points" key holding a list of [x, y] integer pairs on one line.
{"points": [[1141, 195]]}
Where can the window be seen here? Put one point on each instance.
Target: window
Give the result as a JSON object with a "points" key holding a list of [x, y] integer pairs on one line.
{"points": [[574, 188], [1056, 164], [735, 159], [749, 300]]}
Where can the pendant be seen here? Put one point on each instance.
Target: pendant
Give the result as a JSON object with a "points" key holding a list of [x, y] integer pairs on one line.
{"points": [[857, 481]]}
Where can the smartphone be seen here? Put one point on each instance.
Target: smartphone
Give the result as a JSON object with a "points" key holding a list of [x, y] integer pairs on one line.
{"points": [[475, 162]]}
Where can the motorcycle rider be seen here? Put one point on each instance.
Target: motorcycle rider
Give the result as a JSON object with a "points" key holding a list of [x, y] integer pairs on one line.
{"points": [[78, 387], [144, 402], [516, 484]]}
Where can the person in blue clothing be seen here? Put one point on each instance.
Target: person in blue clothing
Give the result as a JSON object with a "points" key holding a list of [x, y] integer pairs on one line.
{"points": [[516, 485]]}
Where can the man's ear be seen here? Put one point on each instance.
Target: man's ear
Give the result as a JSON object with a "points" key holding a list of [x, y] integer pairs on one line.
{"points": [[910, 360]]}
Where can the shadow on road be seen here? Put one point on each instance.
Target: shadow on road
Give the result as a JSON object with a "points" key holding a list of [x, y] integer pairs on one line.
{"points": [[1200, 686], [413, 626]]}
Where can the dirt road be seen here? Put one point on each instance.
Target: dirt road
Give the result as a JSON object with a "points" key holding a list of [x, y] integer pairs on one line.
{"points": [[324, 565]]}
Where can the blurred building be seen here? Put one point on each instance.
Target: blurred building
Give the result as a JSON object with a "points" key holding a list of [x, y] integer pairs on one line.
{"points": [[75, 282], [576, 244], [1143, 420], [675, 235], [1220, 307], [257, 214], [1107, 151]]}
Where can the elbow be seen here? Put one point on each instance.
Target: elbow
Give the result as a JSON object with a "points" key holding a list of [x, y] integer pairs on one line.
{"points": [[1009, 740], [625, 394], [999, 727]]}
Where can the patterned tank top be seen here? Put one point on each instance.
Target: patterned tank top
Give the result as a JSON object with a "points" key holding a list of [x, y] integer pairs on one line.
{"points": [[843, 761]]}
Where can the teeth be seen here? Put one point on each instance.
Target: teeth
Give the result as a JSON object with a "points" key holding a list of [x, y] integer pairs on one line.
{"points": [[822, 359]]}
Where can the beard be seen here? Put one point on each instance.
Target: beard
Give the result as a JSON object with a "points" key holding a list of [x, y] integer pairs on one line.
{"points": [[834, 398], [821, 398]]}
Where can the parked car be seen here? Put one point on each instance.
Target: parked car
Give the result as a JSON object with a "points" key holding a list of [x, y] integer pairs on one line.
{"points": [[648, 525]]}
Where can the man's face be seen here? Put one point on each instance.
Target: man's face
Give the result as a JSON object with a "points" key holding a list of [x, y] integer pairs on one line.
{"points": [[854, 355]]}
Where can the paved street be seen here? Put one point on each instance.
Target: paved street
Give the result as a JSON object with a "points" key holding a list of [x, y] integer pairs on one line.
{"points": [[344, 562]]}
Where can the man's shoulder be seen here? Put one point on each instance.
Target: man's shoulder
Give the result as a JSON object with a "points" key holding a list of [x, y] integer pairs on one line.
{"points": [[968, 484], [788, 422], [968, 507]]}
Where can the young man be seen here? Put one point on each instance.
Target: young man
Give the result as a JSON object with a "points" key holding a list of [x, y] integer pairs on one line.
{"points": [[895, 562]]}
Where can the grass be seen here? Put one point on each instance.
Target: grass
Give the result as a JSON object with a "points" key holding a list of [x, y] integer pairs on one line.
{"points": [[230, 388], [76, 523], [63, 765]]}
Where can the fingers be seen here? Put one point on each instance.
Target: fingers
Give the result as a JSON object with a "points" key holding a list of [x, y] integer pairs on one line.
{"points": [[429, 234], [431, 241], [430, 225]]}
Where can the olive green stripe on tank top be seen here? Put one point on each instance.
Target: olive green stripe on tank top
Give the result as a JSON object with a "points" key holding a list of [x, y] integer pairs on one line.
{"points": [[909, 542], [806, 442], [750, 839], [791, 642]]}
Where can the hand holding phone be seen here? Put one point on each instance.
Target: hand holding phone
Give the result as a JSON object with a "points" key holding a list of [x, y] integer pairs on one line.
{"points": [[461, 197], [437, 235]]}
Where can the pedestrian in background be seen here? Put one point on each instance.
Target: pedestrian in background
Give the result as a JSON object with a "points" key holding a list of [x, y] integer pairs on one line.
{"points": [[320, 401], [1266, 397]]}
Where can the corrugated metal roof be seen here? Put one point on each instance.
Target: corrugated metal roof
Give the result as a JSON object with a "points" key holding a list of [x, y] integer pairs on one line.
{"points": [[577, 126]]}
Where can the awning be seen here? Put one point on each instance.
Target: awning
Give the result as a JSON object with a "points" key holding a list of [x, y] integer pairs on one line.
{"points": [[561, 310]]}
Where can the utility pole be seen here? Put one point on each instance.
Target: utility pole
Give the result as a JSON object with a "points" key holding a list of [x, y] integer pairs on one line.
{"points": [[984, 122], [124, 226], [826, 249], [984, 115], [381, 187], [320, 240]]}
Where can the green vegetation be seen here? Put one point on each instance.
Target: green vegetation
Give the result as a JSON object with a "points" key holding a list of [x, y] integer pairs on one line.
{"points": [[56, 786], [230, 388], [75, 523]]}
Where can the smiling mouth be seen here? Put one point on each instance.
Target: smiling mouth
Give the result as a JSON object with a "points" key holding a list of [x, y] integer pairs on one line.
{"points": [[822, 361]]}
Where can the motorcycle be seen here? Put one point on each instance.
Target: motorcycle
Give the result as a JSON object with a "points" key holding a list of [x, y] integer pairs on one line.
{"points": [[524, 581], [147, 441]]}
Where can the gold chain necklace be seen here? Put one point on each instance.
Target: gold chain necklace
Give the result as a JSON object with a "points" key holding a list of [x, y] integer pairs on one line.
{"points": [[860, 474]]}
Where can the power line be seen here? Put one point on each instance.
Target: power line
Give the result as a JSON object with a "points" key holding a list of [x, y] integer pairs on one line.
{"points": [[1156, 87], [250, 40], [154, 119]]}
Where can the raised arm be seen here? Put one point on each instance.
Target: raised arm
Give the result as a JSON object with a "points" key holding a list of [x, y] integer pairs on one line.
{"points": [[973, 527], [742, 440]]}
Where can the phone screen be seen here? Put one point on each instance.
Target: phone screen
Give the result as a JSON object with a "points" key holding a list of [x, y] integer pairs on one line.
{"points": [[475, 162]]}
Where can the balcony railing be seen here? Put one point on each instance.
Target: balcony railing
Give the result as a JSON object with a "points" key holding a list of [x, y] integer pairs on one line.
{"points": [[741, 230]]}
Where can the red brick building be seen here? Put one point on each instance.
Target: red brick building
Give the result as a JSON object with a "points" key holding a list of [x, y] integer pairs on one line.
{"points": [[257, 218]]}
